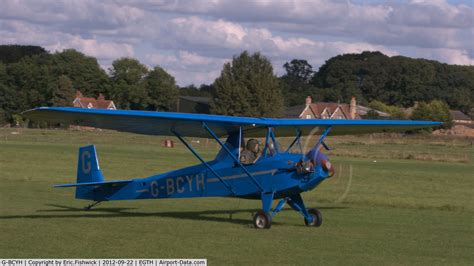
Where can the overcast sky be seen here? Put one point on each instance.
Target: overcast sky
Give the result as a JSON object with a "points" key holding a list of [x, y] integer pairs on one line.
{"points": [[193, 39]]}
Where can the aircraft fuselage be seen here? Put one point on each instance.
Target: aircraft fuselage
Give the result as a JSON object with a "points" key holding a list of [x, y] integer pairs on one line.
{"points": [[275, 174]]}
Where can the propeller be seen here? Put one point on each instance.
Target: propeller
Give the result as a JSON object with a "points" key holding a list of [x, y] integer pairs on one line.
{"points": [[314, 156]]}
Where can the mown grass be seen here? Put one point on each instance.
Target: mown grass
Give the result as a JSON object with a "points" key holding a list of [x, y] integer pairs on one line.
{"points": [[390, 210]]}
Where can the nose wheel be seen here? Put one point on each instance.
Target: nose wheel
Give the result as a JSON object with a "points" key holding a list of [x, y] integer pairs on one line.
{"points": [[262, 220], [317, 218]]}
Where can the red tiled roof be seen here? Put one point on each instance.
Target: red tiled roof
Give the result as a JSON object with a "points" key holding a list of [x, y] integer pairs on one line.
{"points": [[319, 107], [97, 104]]}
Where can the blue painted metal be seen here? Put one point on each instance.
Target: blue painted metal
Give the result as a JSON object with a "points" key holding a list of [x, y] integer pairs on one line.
{"points": [[324, 135], [162, 123], [273, 176], [295, 140], [325, 146], [296, 202], [88, 166], [267, 200], [272, 136], [314, 152], [267, 138], [193, 151], [279, 206], [236, 160], [85, 184]]}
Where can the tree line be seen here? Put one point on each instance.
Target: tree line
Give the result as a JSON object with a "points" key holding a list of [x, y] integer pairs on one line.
{"points": [[373, 76], [247, 86], [32, 77]]}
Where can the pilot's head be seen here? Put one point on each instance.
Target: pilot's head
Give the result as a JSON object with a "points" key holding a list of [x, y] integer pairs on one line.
{"points": [[253, 145]]}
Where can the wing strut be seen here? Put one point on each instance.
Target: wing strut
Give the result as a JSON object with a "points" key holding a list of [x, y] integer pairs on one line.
{"points": [[296, 140], [202, 161], [320, 142], [236, 160]]}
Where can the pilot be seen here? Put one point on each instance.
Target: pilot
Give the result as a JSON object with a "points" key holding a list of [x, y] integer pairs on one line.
{"points": [[251, 153]]}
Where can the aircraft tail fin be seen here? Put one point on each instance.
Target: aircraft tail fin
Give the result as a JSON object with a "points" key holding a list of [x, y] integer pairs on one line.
{"points": [[88, 171], [90, 182], [88, 174], [88, 166]]}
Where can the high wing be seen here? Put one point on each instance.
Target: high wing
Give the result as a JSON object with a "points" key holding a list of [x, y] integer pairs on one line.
{"points": [[191, 125]]}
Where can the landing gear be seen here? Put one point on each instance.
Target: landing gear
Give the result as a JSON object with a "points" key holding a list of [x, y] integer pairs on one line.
{"points": [[317, 218], [262, 220], [312, 217], [88, 207]]}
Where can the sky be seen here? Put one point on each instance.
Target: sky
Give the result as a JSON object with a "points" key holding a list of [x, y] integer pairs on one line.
{"points": [[193, 39]]}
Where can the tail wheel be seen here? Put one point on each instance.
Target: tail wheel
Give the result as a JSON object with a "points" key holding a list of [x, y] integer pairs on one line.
{"points": [[317, 218], [262, 220]]}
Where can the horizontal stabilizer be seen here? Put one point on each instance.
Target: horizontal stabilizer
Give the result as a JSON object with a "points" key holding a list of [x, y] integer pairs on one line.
{"points": [[110, 183]]}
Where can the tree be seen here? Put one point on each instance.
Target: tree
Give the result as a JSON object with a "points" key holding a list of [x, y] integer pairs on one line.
{"points": [[247, 87], [394, 111], [14, 53], [11, 102], [299, 69], [433, 111], [84, 72], [5, 116], [32, 81], [64, 93], [372, 114], [396, 80], [192, 90], [162, 90], [295, 83], [129, 92]]}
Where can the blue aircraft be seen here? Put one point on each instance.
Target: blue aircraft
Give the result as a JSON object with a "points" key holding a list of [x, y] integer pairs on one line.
{"points": [[267, 172]]}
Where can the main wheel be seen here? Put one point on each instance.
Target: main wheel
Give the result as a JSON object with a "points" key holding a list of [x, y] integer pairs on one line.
{"points": [[317, 218], [262, 220]]}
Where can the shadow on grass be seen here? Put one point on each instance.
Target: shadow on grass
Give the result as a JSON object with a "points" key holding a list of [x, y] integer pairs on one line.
{"points": [[60, 212]]}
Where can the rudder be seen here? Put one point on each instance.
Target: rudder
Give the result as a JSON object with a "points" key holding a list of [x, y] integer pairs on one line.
{"points": [[88, 171], [88, 166]]}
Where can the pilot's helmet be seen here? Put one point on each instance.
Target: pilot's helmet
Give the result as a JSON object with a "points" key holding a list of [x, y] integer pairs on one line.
{"points": [[252, 145]]}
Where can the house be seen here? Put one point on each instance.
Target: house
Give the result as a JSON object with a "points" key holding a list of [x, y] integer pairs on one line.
{"points": [[460, 118], [330, 110], [91, 103]]}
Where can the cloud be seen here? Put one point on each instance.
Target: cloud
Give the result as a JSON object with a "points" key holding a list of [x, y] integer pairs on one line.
{"points": [[189, 66], [432, 14], [100, 50], [223, 39], [193, 39], [450, 56], [432, 24], [17, 32], [71, 15]]}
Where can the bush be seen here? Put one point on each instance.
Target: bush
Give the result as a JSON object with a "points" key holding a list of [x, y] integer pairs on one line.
{"points": [[394, 111], [433, 111]]}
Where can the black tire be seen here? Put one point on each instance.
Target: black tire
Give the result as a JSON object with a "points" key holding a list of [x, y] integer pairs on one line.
{"points": [[317, 218], [262, 220]]}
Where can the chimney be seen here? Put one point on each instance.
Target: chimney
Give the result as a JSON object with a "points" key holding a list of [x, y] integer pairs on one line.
{"points": [[353, 107], [78, 94], [101, 97], [309, 100]]}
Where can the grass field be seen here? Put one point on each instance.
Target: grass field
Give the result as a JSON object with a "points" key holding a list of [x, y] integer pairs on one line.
{"points": [[394, 200]]}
